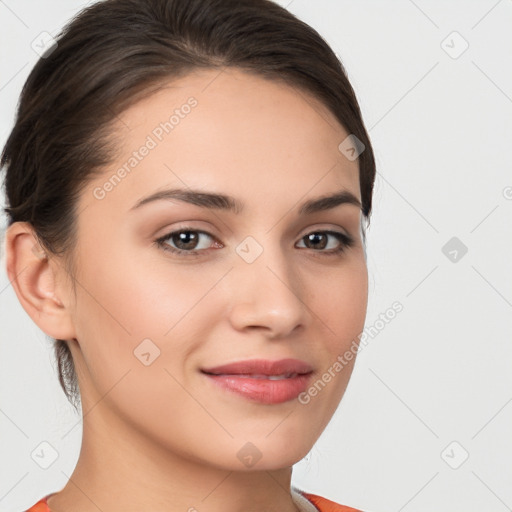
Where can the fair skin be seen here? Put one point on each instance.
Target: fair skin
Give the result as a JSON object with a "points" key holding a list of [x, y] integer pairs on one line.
{"points": [[161, 437]]}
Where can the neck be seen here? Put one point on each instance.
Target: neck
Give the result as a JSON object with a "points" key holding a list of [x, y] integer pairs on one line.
{"points": [[121, 470]]}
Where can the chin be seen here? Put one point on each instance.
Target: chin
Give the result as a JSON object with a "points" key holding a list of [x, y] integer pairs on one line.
{"points": [[272, 454]]}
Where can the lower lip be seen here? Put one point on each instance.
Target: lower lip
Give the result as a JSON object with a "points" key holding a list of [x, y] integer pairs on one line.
{"points": [[265, 391]]}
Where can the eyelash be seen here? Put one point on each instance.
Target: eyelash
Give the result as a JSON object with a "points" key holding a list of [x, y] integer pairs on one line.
{"points": [[345, 242]]}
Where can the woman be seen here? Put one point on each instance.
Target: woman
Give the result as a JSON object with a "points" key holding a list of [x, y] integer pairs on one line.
{"points": [[188, 183]]}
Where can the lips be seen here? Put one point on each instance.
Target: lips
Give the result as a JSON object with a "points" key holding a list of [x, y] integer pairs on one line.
{"points": [[262, 368], [263, 381]]}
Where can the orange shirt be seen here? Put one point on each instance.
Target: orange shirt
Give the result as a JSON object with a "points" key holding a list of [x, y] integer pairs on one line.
{"points": [[325, 505], [322, 504]]}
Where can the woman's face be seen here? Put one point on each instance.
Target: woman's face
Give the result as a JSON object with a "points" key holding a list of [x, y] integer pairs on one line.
{"points": [[262, 282]]}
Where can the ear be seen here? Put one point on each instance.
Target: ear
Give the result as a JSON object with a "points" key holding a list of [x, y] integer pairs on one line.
{"points": [[34, 278]]}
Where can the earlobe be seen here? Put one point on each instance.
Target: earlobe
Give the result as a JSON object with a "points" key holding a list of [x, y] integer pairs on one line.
{"points": [[34, 278]]}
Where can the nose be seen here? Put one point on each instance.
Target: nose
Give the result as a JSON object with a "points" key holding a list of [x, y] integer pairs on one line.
{"points": [[268, 296]]}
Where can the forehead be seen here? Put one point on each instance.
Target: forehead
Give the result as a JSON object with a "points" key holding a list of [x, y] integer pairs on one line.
{"points": [[215, 129]]}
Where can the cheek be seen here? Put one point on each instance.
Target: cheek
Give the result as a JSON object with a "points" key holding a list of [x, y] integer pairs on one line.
{"points": [[339, 300], [348, 311], [136, 314], [341, 306], [142, 299], [137, 332]]}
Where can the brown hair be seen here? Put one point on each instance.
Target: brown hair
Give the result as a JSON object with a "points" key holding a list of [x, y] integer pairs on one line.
{"points": [[116, 52]]}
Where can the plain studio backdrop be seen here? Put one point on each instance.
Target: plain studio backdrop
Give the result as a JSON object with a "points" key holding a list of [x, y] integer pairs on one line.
{"points": [[425, 423]]}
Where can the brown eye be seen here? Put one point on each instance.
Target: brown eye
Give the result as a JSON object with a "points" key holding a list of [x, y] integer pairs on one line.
{"points": [[184, 241], [318, 241]]}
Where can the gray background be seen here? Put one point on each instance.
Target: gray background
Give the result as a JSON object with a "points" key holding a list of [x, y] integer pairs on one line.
{"points": [[441, 125]]}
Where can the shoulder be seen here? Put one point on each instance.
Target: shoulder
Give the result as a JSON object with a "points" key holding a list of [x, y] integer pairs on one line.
{"points": [[40, 506], [326, 505], [321, 503]]}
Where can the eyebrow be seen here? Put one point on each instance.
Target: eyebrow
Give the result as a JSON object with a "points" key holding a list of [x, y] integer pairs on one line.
{"points": [[227, 203]]}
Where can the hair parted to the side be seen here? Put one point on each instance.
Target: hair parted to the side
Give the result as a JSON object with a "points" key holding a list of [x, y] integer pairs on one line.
{"points": [[116, 52]]}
